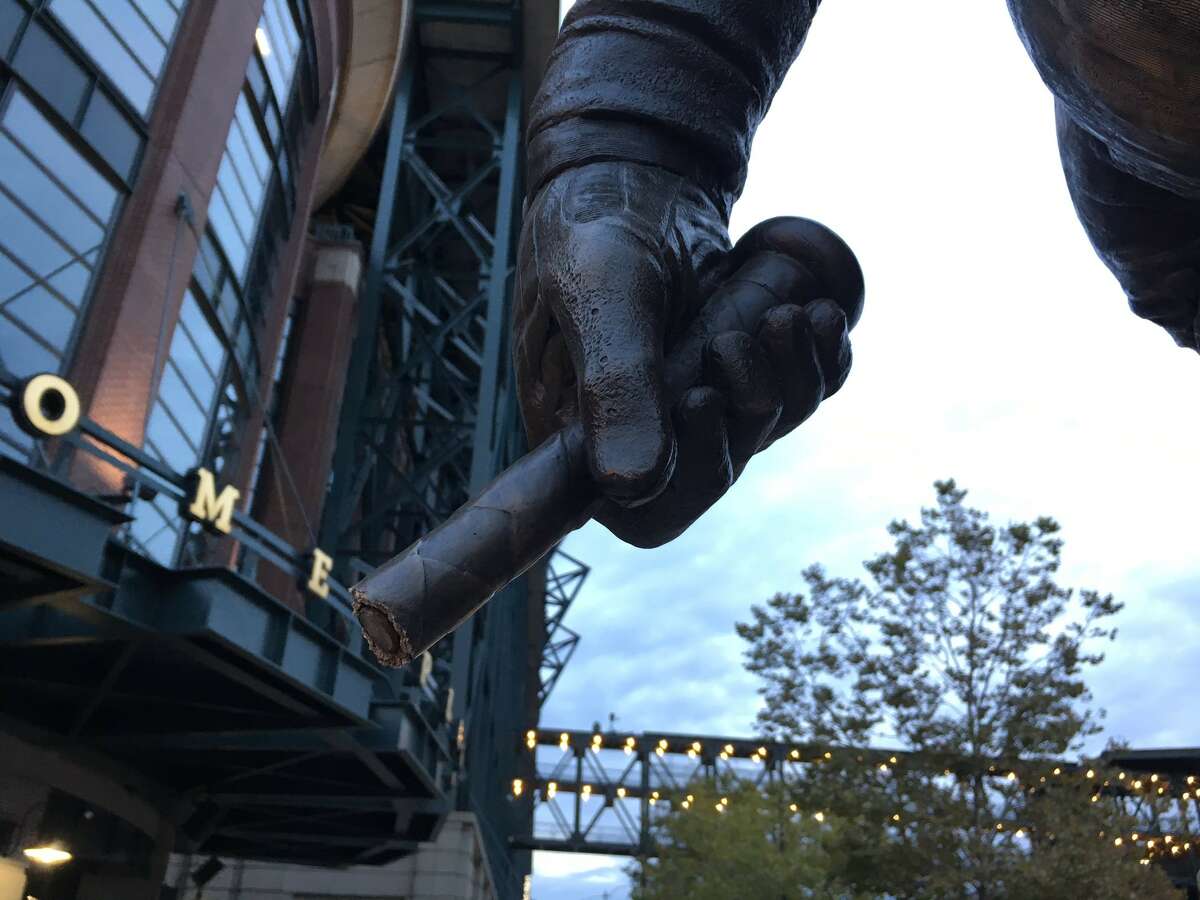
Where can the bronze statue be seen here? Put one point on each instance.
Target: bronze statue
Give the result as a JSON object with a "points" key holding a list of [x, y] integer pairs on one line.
{"points": [[653, 360]]}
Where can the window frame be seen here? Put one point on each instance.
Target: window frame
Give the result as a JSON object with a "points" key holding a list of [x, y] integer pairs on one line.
{"points": [[98, 80], [9, 87]]}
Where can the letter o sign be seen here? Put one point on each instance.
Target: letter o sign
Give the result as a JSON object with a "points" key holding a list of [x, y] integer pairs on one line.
{"points": [[49, 406]]}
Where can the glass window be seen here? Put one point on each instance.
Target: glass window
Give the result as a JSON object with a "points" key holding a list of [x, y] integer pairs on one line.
{"points": [[13, 441], [44, 314], [97, 35], [71, 283], [22, 237], [23, 353], [51, 71], [54, 210], [127, 39], [112, 134], [13, 279], [161, 16], [11, 16], [29, 128], [231, 239], [178, 429], [133, 30], [29, 184], [278, 44]]}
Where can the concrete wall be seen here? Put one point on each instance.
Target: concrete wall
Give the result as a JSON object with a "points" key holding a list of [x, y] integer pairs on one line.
{"points": [[451, 868], [12, 880]]}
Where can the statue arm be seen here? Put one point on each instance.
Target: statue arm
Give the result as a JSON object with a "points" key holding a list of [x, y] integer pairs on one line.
{"points": [[1148, 236], [681, 84]]}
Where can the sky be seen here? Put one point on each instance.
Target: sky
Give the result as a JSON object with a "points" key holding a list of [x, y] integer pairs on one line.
{"points": [[995, 348]]}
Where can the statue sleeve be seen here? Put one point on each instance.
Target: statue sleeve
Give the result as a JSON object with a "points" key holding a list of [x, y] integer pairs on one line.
{"points": [[682, 84]]}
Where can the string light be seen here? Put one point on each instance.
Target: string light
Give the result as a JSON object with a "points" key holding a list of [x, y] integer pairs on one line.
{"points": [[759, 756]]}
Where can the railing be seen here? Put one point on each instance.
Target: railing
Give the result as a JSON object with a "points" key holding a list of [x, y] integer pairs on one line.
{"points": [[146, 477], [607, 792]]}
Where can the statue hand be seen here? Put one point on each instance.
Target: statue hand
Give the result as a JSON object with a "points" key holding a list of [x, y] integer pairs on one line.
{"points": [[615, 261]]}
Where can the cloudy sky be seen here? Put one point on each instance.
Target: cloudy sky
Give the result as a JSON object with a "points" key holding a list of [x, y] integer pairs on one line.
{"points": [[995, 348]]}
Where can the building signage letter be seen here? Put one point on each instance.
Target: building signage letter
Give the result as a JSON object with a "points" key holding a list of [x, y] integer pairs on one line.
{"points": [[47, 406], [318, 579], [214, 510]]}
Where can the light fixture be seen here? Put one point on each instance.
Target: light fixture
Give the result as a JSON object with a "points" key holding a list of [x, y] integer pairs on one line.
{"points": [[51, 854], [264, 43]]}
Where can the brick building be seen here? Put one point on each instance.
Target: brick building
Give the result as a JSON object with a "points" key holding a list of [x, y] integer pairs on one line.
{"points": [[201, 209]]}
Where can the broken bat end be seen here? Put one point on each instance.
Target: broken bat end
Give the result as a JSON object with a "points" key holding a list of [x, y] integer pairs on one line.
{"points": [[387, 640]]}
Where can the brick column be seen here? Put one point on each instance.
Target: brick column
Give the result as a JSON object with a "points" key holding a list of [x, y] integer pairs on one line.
{"points": [[310, 404], [112, 369]]}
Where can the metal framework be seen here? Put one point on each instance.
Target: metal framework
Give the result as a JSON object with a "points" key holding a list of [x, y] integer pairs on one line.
{"points": [[274, 737], [429, 414], [605, 792], [564, 578]]}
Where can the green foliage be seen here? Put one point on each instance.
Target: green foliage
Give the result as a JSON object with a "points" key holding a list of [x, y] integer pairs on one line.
{"points": [[961, 645], [755, 847]]}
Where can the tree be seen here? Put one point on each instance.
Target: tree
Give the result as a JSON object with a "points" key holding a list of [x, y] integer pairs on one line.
{"points": [[751, 845], [961, 648]]}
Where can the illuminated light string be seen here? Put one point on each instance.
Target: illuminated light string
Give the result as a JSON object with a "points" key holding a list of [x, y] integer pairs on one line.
{"points": [[727, 752], [1154, 846], [1158, 846]]}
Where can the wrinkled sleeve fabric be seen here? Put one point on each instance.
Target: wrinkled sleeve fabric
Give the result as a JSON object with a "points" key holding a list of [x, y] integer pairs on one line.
{"points": [[681, 84]]}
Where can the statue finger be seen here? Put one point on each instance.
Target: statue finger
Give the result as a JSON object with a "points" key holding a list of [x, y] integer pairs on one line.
{"points": [[832, 338], [789, 339], [703, 474], [739, 367]]}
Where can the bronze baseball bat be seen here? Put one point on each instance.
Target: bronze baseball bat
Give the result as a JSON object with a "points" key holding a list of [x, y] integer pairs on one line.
{"points": [[409, 603]]}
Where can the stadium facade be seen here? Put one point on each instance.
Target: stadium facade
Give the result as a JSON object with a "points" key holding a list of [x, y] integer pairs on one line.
{"points": [[255, 267]]}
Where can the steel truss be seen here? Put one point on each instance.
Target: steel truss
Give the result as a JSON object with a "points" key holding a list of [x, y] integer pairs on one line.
{"points": [[430, 414], [605, 792], [564, 578]]}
